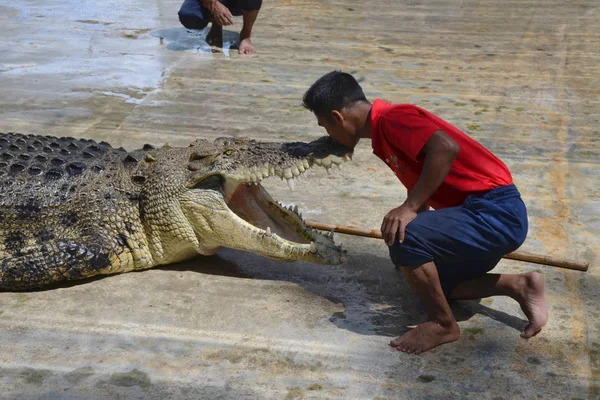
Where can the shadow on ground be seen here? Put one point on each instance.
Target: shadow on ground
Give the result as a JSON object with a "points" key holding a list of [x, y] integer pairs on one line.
{"points": [[377, 300]]}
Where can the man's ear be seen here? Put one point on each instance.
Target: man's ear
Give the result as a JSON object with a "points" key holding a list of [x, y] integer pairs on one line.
{"points": [[337, 116]]}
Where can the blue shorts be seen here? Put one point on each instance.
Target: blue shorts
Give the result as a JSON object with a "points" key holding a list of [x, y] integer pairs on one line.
{"points": [[467, 241], [192, 15]]}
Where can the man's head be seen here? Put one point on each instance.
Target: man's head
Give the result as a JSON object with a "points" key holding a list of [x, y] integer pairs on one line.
{"points": [[332, 99]]}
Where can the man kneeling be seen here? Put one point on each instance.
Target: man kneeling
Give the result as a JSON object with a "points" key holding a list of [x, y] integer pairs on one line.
{"points": [[479, 216], [196, 14]]}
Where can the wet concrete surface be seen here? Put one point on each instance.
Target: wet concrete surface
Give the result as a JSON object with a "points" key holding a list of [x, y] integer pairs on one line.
{"points": [[521, 77]]}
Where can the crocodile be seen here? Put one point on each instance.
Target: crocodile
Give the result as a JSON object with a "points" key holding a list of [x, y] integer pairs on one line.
{"points": [[73, 208]]}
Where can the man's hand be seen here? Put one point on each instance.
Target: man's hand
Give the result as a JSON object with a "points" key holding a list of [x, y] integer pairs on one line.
{"points": [[395, 222], [221, 14]]}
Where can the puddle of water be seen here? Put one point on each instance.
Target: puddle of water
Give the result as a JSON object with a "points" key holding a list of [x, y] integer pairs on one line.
{"points": [[181, 39], [86, 43]]}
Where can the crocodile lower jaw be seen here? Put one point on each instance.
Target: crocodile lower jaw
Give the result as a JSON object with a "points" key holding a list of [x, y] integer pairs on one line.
{"points": [[283, 226]]}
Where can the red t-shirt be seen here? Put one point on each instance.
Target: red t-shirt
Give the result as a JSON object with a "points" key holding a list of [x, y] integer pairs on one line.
{"points": [[399, 132]]}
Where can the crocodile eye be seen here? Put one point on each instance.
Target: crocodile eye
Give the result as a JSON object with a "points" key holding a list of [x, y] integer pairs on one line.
{"points": [[228, 152]]}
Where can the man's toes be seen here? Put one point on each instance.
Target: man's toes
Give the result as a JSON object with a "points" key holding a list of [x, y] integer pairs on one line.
{"points": [[413, 349]]}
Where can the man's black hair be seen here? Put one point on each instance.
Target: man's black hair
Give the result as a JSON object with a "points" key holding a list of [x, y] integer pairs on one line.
{"points": [[333, 91]]}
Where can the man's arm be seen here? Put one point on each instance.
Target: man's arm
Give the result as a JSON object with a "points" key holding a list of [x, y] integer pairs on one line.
{"points": [[221, 14], [440, 151], [424, 207]]}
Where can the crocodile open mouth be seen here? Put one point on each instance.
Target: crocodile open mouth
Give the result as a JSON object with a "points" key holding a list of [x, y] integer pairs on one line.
{"points": [[254, 204], [271, 219], [269, 222]]}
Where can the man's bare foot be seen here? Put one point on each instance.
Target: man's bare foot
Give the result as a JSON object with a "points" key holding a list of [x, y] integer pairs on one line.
{"points": [[246, 47], [426, 336], [533, 304], [215, 36]]}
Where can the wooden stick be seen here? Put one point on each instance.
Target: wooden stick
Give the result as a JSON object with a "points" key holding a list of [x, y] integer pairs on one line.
{"points": [[517, 255]]}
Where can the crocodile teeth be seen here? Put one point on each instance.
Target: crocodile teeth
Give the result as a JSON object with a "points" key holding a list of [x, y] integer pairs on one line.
{"points": [[326, 162], [287, 173], [313, 247], [291, 184], [296, 208], [306, 164], [300, 167], [295, 170], [268, 232]]}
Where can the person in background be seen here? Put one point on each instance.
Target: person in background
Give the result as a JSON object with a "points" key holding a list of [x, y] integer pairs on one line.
{"points": [[196, 14]]}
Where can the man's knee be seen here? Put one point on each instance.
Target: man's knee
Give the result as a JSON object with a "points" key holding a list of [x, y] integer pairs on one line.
{"points": [[192, 16], [191, 21], [411, 252]]}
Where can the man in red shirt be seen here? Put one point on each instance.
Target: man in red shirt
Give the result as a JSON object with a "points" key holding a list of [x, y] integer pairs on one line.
{"points": [[479, 215]]}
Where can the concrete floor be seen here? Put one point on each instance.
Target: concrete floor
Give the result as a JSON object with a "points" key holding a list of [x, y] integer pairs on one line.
{"points": [[522, 77]]}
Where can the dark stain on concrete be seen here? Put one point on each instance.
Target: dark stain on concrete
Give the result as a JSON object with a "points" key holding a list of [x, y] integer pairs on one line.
{"points": [[534, 360], [426, 378], [473, 331], [29, 376], [79, 374], [295, 393], [131, 378]]}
